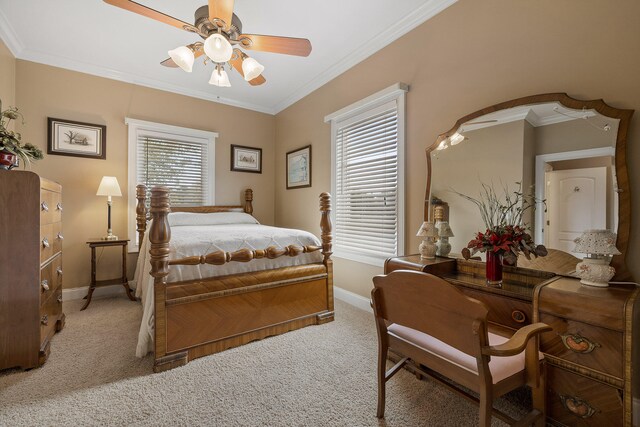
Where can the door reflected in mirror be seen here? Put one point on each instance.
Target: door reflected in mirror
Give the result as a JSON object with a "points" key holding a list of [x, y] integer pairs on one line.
{"points": [[562, 155]]}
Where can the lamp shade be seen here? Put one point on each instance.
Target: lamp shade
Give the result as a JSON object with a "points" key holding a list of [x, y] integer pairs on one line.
{"points": [[251, 69], [427, 229], [220, 78], [183, 57], [109, 187], [218, 48], [444, 229], [597, 242]]}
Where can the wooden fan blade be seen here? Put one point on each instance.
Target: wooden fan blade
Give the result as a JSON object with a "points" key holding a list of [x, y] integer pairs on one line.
{"points": [[276, 44], [221, 9], [236, 62], [151, 13]]}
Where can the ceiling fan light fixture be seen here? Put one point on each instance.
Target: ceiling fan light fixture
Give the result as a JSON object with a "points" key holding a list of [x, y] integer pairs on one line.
{"points": [[183, 57], [251, 68], [218, 48], [220, 78]]}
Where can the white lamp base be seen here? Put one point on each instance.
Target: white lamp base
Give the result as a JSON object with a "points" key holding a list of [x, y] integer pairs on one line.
{"points": [[427, 249], [595, 272], [111, 237]]}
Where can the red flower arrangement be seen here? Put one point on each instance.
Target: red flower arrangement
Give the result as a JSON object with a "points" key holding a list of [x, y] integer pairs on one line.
{"points": [[507, 241]]}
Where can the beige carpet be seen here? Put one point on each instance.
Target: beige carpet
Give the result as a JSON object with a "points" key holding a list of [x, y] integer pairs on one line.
{"points": [[317, 376]]}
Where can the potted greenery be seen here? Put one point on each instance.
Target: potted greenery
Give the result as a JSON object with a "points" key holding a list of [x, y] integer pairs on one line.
{"points": [[10, 142]]}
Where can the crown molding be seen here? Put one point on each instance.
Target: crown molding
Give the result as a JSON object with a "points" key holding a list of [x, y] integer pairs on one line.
{"points": [[9, 36], [425, 12]]}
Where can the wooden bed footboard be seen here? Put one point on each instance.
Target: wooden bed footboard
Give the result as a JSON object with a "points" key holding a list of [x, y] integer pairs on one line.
{"points": [[201, 317]]}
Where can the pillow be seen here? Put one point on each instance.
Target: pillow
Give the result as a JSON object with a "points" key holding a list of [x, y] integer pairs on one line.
{"points": [[215, 218]]}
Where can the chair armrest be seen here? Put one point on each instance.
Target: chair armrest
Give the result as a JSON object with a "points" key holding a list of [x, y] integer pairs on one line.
{"points": [[518, 342]]}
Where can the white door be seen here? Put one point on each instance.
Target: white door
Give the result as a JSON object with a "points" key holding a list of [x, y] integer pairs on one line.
{"points": [[576, 201]]}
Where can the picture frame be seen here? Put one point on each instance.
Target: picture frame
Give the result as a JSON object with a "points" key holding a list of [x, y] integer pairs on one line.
{"points": [[246, 159], [299, 168], [77, 139]]}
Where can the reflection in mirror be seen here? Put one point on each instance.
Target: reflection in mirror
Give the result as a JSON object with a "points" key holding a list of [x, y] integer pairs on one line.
{"points": [[562, 155]]}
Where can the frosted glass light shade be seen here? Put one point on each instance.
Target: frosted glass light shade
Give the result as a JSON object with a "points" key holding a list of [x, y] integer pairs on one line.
{"points": [[597, 242], [218, 48], [109, 187], [183, 57], [427, 229], [251, 68], [220, 78]]}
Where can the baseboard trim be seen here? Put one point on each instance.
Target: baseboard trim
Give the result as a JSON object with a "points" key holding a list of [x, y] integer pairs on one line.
{"points": [[103, 291], [353, 299]]}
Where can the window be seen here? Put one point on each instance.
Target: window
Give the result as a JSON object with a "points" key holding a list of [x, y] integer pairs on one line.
{"points": [[179, 158], [368, 177]]}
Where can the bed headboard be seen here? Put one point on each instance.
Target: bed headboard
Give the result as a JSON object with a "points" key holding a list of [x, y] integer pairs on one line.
{"points": [[142, 216]]}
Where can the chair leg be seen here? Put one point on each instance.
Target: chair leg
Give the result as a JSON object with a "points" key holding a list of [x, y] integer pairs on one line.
{"points": [[486, 407], [383, 350], [539, 398]]}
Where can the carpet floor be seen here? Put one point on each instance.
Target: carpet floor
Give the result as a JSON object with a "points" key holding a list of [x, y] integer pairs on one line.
{"points": [[316, 376]]}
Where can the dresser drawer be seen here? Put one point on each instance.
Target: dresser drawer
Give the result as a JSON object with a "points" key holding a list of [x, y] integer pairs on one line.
{"points": [[50, 278], [590, 346], [50, 206], [504, 311], [574, 400], [51, 239], [50, 312], [57, 237]]}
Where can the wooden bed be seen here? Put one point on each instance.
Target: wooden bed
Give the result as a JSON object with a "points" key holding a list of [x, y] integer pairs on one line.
{"points": [[196, 318]]}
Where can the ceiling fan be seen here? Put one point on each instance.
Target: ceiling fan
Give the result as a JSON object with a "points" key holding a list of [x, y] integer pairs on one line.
{"points": [[221, 30]]}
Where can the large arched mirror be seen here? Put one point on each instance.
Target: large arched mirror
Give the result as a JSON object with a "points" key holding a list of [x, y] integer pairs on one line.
{"points": [[567, 152]]}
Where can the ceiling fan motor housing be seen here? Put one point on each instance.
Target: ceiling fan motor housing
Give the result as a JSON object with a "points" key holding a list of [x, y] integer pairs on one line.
{"points": [[207, 27]]}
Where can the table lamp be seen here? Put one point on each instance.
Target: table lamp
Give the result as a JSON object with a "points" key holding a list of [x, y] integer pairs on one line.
{"points": [[429, 233], [600, 246], [444, 232], [109, 187]]}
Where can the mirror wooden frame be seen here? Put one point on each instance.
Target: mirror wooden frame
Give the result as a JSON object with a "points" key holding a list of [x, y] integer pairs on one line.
{"points": [[624, 194]]}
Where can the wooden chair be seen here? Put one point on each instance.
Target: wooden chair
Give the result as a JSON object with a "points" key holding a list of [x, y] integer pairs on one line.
{"points": [[426, 320]]}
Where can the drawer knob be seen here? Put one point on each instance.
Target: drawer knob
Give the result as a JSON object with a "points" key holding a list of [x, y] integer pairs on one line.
{"points": [[59, 271], [60, 236], [60, 299], [59, 206], [45, 284], [578, 344], [518, 316], [577, 406], [44, 320], [44, 206], [45, 243]]}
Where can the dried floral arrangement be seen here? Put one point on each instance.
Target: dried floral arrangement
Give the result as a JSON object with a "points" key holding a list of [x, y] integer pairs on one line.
{"points": [[11, 141], [506, 233]]}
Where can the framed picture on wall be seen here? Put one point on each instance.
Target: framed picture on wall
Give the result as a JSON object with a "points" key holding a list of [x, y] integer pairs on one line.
{"points": [[246, 159], [69, 138], [299, 168]]}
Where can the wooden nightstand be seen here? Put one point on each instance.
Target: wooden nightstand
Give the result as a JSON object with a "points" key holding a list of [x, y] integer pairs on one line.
{"points": [[122, 280]]}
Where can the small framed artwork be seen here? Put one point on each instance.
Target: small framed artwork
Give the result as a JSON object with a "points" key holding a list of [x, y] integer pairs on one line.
{"points": [[246, 159], [68, 138], [299, 168]]}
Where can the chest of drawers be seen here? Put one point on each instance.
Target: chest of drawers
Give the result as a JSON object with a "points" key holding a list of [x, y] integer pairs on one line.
{"points": [[30, 268]]}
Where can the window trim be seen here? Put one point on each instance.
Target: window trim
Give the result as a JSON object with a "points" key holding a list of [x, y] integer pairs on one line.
{"points": [[135, 127], [395, 92]]}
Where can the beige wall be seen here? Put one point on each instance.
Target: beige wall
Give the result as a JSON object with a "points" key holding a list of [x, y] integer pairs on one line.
{"points": [[472, 55], [7, 77], [44, 91]]}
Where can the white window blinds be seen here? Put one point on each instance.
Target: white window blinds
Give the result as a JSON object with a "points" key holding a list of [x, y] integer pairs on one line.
{"points": [[182, 166], [367, 183]]}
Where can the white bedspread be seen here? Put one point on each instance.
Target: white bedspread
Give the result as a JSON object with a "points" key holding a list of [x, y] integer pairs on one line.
{"points": [[203, 239]]}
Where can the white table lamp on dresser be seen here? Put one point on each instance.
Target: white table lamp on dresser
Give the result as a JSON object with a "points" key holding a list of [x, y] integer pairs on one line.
{"points": [[109, 187], [429, 233], [600, 246]]}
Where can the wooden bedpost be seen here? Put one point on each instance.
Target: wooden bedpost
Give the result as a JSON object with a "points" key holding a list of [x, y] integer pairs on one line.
{"points": [[141, 212], [248, 199], [159, 236], [325, 225]]}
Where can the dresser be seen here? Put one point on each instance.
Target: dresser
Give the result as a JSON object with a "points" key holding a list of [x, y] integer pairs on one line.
{"points": [[30, 268], [592, 366]]}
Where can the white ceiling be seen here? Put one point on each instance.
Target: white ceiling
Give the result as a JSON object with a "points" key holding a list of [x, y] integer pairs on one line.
{"points": [[96, 38]]}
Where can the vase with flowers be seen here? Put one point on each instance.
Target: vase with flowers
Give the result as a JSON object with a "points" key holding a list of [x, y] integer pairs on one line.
{"points": [[11, 147], [506, 233]]}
